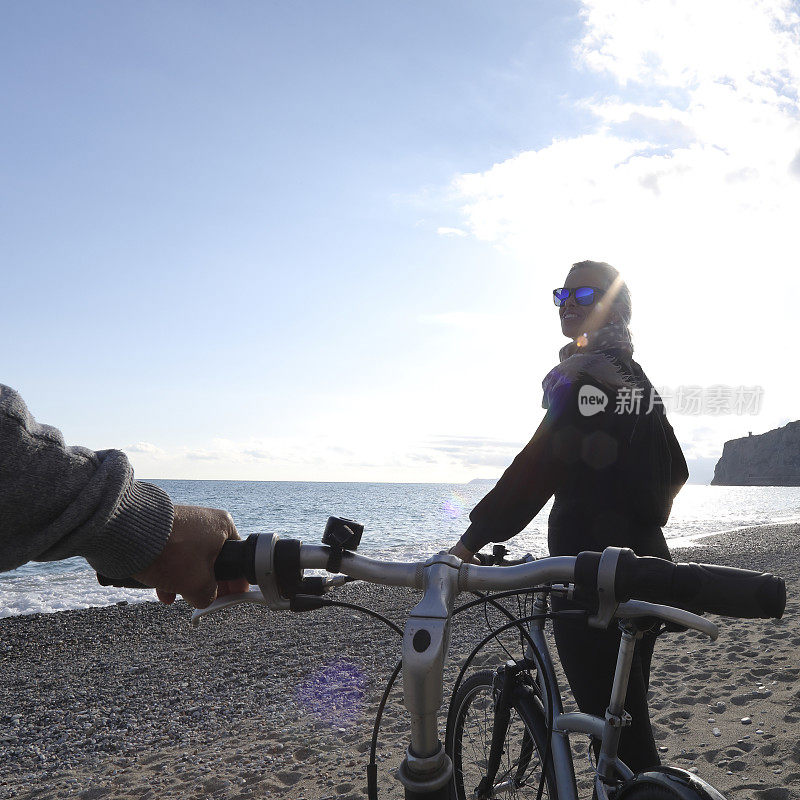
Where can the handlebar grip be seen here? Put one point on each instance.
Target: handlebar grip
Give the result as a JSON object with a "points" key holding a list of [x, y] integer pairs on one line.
{"points": [[727, 591], [237, 560]]}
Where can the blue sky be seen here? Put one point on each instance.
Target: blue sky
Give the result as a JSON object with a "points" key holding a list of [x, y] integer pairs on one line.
{"points": [[314, 240]]}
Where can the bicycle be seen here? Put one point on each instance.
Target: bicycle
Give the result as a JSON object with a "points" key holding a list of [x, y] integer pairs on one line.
{"points": [[539, 759]]}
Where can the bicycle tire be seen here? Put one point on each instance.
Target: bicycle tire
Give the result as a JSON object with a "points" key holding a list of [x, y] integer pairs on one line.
{"points": [[468, 740], [668, 783]]}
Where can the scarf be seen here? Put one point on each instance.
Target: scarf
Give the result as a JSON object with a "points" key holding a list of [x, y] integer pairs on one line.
{"points": [[586, 356]]}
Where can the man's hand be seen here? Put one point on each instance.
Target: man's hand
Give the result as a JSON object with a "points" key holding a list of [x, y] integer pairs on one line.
{"points": [[464, 554], [186, 564]]}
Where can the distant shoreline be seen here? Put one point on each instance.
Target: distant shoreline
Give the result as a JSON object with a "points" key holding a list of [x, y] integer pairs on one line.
{"points": [[472, 482]]}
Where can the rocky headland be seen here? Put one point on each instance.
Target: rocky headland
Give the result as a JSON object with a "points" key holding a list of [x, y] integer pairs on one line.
{"points": [[768, 459]]}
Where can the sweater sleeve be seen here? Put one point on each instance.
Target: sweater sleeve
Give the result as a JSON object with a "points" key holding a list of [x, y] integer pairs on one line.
{"points": [[58, 501], [527, 484]]}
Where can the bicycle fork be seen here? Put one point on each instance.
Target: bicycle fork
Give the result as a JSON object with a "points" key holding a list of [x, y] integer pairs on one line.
{"points": [[505, 681]]}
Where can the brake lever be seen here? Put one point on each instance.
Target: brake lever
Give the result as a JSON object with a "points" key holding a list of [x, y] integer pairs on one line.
{"points": [[253, 596]]}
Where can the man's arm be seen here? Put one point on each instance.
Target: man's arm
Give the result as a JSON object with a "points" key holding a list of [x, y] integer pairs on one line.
{"points": [[58, 501]]}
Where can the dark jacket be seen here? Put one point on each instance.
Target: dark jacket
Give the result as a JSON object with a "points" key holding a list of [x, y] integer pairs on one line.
{"points": [[614, 472]]}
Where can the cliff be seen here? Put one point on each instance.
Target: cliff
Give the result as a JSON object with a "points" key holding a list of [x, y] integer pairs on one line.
{"points": [[770, 459]]}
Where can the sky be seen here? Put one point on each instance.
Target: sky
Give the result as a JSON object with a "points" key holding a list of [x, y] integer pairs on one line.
{"points": [[317, 240]]}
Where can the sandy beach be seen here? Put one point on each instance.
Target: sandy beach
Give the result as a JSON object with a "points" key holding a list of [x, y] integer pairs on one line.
{"points": [[130, 702]]}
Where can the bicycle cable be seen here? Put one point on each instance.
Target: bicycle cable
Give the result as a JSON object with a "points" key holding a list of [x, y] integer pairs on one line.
{"points": [[372, 766], [489, 624], [355, 607]]}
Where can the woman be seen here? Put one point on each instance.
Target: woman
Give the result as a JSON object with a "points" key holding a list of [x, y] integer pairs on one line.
{"points": [[608, 454]]}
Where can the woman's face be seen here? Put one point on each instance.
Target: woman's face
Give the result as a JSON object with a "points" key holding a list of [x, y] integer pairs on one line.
{"points": [[577, 319]]}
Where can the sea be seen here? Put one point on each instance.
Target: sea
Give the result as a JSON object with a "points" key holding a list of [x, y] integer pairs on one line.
{"points": [[403, 521]]}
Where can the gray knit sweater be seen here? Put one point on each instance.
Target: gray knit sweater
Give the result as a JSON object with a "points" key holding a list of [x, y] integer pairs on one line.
{"points": [[58, 501]]}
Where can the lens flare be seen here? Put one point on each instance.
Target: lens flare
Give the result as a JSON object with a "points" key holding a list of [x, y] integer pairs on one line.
{"points": [[455, 506], [334, 693]]}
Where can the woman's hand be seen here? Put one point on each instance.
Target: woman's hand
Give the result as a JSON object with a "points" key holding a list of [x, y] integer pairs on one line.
{"points": [[465, 555]]}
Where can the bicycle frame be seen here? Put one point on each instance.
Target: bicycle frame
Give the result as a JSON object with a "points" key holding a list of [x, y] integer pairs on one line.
{"points": [[607, 730]]}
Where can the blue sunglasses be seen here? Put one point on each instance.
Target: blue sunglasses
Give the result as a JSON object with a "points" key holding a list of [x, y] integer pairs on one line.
{"points": [[584, 295]]}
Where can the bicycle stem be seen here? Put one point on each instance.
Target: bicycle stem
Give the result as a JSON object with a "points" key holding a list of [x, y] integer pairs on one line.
{"points": [[426, 640]]}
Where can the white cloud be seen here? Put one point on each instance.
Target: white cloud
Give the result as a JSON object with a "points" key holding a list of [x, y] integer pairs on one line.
{"points": [[145, 448], [686, 44], [443, 231], [368, 454], [473, 452], [726, 150]]}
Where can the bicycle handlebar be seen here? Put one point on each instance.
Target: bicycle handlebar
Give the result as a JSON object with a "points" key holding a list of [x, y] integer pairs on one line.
{"points": [[726, 591]]}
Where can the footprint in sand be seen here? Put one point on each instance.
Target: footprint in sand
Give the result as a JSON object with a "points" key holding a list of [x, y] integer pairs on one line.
{"points": [[690, 700], [675, 719], [796, 754], [302, 753], [289, 778], [758, 672], [774, 793], [743, 699]]}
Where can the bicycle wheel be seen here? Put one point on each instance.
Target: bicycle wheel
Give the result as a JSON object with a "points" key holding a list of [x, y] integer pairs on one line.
{"points": [[469, 738]]}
